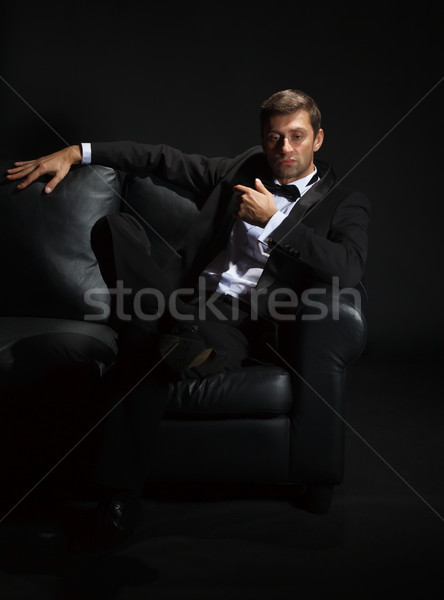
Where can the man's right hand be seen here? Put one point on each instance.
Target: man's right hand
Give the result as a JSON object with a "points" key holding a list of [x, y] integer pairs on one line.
{"points": [[56, 165]]}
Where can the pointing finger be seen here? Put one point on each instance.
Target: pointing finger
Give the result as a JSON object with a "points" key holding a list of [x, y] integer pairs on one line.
{"points": [[241, 189]]}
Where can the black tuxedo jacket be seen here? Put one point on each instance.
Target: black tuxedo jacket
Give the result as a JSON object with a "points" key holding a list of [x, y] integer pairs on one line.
{"points": [[323, 237]]}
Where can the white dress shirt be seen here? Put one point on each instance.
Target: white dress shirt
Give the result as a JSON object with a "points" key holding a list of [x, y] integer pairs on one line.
{"points": [[237, 268]]}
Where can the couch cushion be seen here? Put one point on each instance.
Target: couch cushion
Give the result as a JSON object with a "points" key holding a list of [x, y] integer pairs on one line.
{"points": [[261, 391], [46, 260], [29, 346], [166, 228]]}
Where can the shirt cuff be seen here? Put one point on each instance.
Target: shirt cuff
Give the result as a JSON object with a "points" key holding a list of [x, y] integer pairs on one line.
{"points": [[86, 153], [272, 224]]}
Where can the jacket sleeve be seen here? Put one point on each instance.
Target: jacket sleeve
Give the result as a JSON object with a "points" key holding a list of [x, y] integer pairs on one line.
{"points": [[341, 253], [193, 172]]}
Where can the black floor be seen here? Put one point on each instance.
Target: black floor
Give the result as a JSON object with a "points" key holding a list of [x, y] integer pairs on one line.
{"points": [[383, 537]]}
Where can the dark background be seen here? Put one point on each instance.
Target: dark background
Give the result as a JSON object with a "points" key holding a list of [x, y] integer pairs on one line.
{"points": [[194, 76]]}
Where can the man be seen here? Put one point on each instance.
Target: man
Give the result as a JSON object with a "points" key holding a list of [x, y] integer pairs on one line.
{"points": [[272, 225]]}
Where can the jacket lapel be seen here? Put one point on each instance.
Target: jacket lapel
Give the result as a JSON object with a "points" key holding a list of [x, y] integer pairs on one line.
{"points": [[310, 199], [316, 193]]}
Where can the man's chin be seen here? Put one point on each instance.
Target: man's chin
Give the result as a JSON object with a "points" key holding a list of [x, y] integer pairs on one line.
{"points": [[286, 173]]}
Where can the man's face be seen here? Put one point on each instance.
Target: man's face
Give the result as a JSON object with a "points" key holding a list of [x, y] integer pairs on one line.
{"points": [[289, 145]]}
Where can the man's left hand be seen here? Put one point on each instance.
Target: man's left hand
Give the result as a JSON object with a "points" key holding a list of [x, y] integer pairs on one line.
{"points": [[255, 206]]}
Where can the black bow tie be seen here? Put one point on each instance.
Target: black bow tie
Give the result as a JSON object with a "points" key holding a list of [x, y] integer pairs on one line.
{"points": [[291, 192]]}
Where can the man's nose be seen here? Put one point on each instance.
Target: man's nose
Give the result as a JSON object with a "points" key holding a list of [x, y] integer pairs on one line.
{"points": [[286, 146]]}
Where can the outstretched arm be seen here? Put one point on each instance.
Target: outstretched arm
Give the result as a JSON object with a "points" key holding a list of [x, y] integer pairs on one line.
{"points": [[56, 165]]}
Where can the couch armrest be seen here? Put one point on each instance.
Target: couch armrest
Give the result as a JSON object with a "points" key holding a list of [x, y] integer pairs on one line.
{"points": [[323, 349], [46, 260]]}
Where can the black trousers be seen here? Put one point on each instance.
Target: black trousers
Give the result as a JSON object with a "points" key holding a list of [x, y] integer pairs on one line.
{"points": [[138, 386]]}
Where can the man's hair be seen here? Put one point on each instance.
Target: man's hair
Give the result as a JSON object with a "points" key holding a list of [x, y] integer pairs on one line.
{"points": [[286, 102]]}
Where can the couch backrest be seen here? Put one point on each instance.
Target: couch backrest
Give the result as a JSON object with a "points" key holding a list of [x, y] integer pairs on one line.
{"points": [[165, 210], [46, 261]]}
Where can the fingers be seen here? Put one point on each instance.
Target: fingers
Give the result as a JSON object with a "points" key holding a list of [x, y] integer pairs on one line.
{"points": [[19, 165], [53, 183], [57, 165], [260, 186], [254, 205], [20, 171], [241, 189], [31, 175], [29, 179], [30, 170]]}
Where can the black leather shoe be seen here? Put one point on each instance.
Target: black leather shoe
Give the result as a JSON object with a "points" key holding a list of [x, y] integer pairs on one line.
{"points": [[115, 523]]}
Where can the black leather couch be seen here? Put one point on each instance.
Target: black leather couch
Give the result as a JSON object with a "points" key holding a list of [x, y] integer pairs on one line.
{"points": [[278, 424]]}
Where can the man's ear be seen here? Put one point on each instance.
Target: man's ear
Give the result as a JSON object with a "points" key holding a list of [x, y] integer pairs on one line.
{"points": [[318, 140]]}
